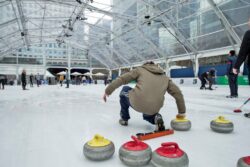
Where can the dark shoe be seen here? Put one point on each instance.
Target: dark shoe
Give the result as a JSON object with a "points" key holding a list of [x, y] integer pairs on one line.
{"points": [[202, 88], [247, 115], [232, 96], [210, 89], [123, 122], [159, 123]]}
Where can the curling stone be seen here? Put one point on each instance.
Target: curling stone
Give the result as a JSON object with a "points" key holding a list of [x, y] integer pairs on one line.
{"points": [[221, 125], [98, 148], [135, 153], [169, 155], [244, 162], [181, 124]]}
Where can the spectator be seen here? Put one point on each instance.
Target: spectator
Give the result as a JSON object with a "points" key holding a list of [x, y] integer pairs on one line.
{"points": [[23, 79], [232, 78]]}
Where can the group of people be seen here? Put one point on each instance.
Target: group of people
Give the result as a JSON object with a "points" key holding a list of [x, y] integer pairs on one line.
{"points": [[78, 80], [233, 64], [152, 83], [31, 78]]}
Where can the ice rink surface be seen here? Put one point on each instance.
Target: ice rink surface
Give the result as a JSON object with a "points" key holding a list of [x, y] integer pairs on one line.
{"points": [[48, 126]]}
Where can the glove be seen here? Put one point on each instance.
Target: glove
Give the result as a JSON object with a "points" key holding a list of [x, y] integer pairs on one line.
{"points": [[181, 116]]}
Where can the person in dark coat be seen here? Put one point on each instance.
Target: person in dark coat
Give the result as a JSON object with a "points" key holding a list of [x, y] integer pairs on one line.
{"points": [[2, 81], [207, 77], [232, 78], [38, 79], [105, 80], [23, 79], [31, 80], [243, 55]]}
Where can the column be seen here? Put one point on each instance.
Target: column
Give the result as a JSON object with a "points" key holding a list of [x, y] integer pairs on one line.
{"points": [[44, 61], [119, 71], [196, 65], [167, 70]]}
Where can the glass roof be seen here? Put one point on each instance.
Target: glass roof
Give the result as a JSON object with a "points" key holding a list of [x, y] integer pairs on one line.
{"points": [[117, 33]]}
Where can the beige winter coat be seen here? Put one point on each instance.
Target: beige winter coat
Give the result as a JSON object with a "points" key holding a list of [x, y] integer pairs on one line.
{"points": [[148, 95]]}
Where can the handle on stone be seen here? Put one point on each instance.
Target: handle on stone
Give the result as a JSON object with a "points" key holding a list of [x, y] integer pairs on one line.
{"points": [[135, 139], [170, 144], [98, 137]]}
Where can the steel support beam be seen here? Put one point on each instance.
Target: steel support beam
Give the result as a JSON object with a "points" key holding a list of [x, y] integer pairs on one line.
{"points": [[8, 23], [41, 37], [69, 58], [4, 3], [115, 35], [225, 23], [22, 21], [93, 55], [98, 59], [131, 48], [44, 60], [119, 55], [168, 22], [152, 45], [101, 58], [110, 59], [73, 21]]}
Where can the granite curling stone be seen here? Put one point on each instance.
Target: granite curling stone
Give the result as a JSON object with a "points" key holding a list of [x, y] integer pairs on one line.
{"points": [[98, 149], [244, 162], [221, 125], [169, 155], [180, 124], [135, 153]]}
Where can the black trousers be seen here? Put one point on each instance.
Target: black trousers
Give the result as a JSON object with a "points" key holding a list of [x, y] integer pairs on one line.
{"points": [[31, 83], [38, 83], [233, 84], [2, 82], [24, 85], [203, 82], [67, 84]]}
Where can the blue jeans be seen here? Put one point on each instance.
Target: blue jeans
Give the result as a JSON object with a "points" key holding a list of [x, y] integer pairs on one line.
{"points": [[125, 104]]}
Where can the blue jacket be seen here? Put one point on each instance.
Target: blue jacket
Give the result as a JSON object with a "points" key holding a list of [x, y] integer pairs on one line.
{"points": [[231, 60]]}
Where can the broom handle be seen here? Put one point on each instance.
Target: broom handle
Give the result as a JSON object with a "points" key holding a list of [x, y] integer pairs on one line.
{"points": [[245, 102]]}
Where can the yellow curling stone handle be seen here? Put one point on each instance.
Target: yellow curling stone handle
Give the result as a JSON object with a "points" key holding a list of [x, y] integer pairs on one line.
{"points": [[98, 141], [181, 119], [222, 119]]}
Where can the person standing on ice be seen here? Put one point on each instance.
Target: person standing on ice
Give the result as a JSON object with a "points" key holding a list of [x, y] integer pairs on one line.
{"points": [[207, 77], [232, 78], [2, 81], [38, 79], [148, 95], [61, 78], [31, 80], [243, 55], [23, 79]]}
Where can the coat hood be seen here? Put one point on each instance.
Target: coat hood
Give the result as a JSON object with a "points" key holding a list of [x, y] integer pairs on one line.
{"points": [[153, 68]]}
